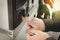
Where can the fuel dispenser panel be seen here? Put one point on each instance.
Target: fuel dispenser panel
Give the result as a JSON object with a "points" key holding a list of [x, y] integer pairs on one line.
{"points": [[17, 9], [21, 10]]}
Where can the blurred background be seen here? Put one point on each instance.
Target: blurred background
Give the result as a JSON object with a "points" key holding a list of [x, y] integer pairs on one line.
{"points": [[11, 24]]}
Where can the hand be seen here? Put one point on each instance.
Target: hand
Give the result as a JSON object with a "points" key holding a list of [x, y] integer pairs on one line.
{"points": [[36, 24], [38, 35]]}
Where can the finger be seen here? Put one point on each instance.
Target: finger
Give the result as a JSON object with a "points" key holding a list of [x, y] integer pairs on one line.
{"points": [[32, 34], [25, 19], [29, 37], [28, 30], [31, 25], [35, 31], [34, 19]]}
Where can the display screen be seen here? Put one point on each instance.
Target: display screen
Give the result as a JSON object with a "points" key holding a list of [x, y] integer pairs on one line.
{"points": [[20, 3], [19, 13], [15, 16]]}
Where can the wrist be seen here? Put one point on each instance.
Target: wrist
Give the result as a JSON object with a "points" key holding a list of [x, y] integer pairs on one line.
{"points": [[42, 25]]}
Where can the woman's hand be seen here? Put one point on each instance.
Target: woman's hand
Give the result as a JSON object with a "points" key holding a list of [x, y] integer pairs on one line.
{"points": [[36, 35], [36, 24]]}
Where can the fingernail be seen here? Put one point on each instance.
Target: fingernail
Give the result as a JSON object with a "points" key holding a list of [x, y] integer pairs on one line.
{"points": [[32, 34]]}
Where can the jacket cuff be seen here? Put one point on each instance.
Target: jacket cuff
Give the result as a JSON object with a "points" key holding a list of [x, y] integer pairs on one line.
{"points": [[48, 24], [50, 38]]}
